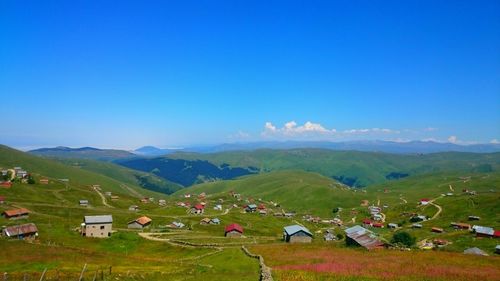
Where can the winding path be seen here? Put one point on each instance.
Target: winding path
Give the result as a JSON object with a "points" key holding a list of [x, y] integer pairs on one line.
{"points": [[104, 201]]}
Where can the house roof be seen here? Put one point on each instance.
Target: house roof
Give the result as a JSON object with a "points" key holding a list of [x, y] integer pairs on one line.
{"points": [[364, 237], [16, 212], [234, 226], [484, 230], [252, 206], [199, 207], [21, 229], [84, 201], [142, 220], [216, 220], [98, 219], [292, 229], [475, 251], [206, 220]]}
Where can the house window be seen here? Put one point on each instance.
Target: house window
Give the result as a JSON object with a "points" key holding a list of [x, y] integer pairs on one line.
{"points": [[109, 234], [102, 226]]}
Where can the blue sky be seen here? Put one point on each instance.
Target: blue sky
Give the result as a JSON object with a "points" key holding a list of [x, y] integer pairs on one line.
{"points": [[178, 73]]}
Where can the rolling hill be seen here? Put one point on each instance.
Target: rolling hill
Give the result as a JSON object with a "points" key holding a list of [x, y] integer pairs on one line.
{"points": [[354, 168], [83, 153], [186, 172], [295, 190], [51, 168]]}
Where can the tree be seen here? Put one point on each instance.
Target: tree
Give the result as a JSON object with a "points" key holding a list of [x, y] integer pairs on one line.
{"points": [[403, 238], [335, 210]]}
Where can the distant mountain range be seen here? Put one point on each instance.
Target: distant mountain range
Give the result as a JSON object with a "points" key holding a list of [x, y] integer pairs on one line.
{"points": [[367, 146], [83, 153]]}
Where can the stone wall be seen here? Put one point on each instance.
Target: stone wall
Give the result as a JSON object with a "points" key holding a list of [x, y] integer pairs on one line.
{"points": [[265, 271]]}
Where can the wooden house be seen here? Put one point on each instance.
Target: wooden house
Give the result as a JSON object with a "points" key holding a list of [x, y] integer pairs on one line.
{"points": [[140, 223], [297, 234], [360, 236], [233, 230], [14, 214], [97, 226], [23, 231]]}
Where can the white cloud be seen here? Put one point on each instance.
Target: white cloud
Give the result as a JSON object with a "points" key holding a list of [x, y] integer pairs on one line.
{"points": [[315, 130], [453, 139], [240, 135], [495, 141], [430, 129]]}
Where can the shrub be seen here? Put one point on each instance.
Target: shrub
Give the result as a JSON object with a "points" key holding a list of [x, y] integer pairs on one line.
{"points": [[403, 238]]}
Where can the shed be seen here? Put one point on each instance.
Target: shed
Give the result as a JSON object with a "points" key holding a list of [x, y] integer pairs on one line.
{"points": [[358, 235], [140, 223], [16, 213], [297, 234], [22, 231], [233, 230], [475, 251]]}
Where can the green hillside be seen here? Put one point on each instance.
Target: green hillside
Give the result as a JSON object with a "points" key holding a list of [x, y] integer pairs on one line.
{"points": [[299, 191], [124, 175], [55, 170], [352, 167]]}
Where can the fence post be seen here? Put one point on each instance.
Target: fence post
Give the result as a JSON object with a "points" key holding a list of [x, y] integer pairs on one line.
{"points": [[43, 274], [81, 274]]}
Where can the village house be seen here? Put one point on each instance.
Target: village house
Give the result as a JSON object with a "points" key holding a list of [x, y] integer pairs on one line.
{"points": [[392, 225], [475, 251], [145, 200], [378, 225], [459, 225], [416, 225], [297, 234], [187, 195], [198, 209], [23, 231], [474, 218], [140, 223], [176, 224], [367, 222], [205, 221], [483, 231], [251, 208], [263, 212], [437, 230], [84, 203], [44, 181], [21, 174], [97, 226], [424, 201], [329, 236], [377, 217], [418, 218], [107, 193], [289, 215], [162, 202], [358, 235], [15, 214], [218, 207], [114, 197], [497, 249], [133, 208], [364, 203], [233, 230], [215, 221], [2, 199]]}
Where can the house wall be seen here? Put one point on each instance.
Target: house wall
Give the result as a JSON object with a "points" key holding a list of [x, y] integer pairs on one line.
{"points": [[233, 233], [299, 237], [98, 230], [135, 225]]}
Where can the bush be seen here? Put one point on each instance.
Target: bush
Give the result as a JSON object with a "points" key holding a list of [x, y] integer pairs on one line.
{"points": [[403, 238], [340, 236]]}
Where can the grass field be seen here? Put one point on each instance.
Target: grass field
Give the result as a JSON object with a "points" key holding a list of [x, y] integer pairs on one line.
{"points": [[202, 252]]}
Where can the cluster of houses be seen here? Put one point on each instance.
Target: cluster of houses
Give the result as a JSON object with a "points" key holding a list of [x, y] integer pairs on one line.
{"points": [[27, 231], [8, 175]]}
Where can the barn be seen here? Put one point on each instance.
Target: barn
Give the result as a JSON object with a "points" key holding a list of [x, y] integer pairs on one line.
{"points": [[297, 234]]}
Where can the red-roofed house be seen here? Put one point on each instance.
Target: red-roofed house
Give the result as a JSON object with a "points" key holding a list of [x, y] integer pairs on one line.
{"points": [[496, 234], [378, 225], [424, 201], [233, 230], [16, 213], [2, 199], [367, 222], [140, 223], [6, 184], [197, 209]]}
